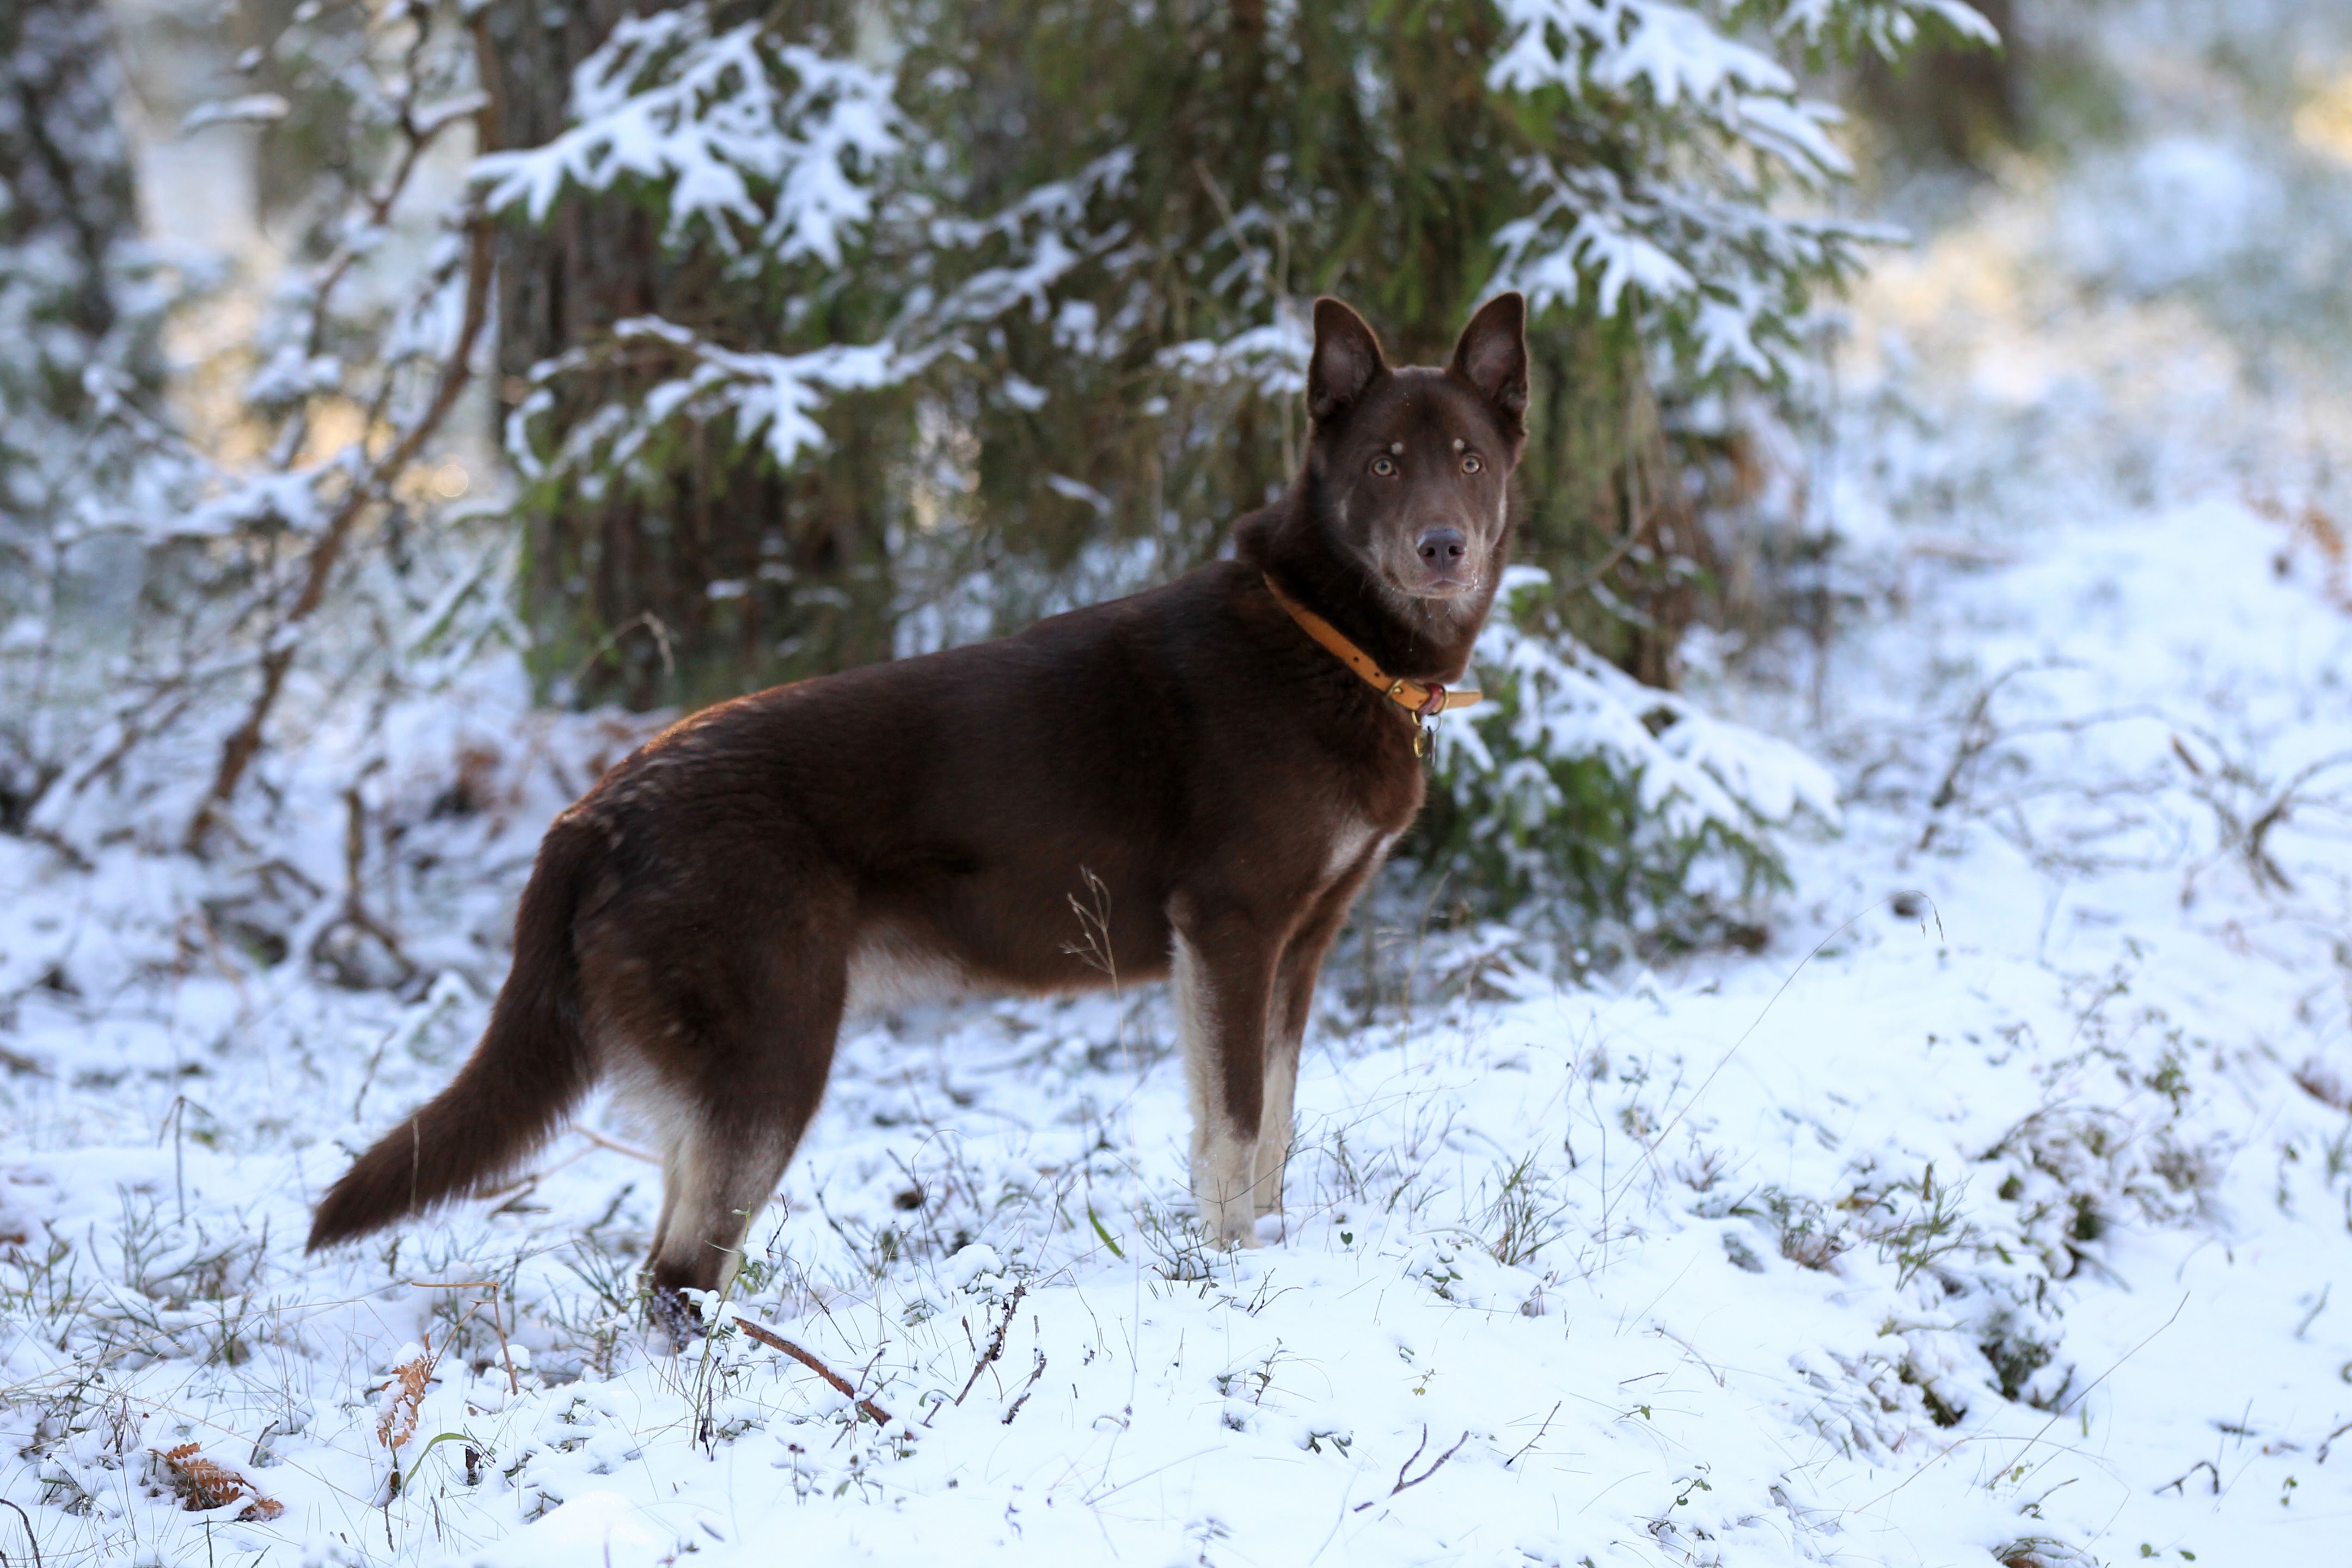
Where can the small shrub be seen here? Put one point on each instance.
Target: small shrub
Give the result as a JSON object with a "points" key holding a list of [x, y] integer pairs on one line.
{"points": [[1575, 788], [1525, 1215], [2019, 1357]]}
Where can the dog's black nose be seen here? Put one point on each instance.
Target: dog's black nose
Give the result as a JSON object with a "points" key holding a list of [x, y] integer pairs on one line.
{"points": [[1442, 547]]}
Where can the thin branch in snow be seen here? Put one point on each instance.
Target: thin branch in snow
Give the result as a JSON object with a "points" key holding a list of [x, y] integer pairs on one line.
{"points": [[1531, 1442], [996, 1341], [1029, 1388], [1434, 1465], [278, 656], [776, 1342]]}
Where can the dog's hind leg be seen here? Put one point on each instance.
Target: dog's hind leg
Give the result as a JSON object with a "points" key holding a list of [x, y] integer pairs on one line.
{"points": [[724, 1176], [1224, 974], [746, 1077]]}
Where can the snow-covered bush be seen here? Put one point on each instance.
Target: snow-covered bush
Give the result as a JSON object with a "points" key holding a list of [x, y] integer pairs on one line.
{"points": [[87, 471], [1574, 789], [1682, 225], [764, 152]]}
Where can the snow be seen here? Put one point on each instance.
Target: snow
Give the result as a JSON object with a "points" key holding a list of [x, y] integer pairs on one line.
{"points": [[1652, 1266], [2175, 209], [1991, 1210], [666, 100], [1693, 246], [771, 398], [1670, 52]]}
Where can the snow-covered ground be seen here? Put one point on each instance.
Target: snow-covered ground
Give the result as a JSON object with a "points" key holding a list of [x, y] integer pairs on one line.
{"points": [[1991, 1212]]}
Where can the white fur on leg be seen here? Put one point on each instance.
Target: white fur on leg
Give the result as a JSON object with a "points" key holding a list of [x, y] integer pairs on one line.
{"points": [[1273, 1153], [712, 1194], [1223, 1178], [1223, 1160], [687, 1197]]}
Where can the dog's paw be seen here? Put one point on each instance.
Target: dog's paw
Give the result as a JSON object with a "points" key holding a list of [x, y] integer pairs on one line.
{"points": [[676, 1318], [1229, 1225]]}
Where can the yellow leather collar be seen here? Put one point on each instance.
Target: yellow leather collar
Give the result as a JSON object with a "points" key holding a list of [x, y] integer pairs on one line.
{"points": [[1423, 699]]}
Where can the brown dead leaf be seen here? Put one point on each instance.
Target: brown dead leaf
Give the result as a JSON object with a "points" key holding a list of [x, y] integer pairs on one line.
{"points": [[407, 1389], [201, 1484], [2316, 1080]]}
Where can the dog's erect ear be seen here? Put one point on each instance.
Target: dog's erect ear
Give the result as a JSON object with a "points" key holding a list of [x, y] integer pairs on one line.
{"points": [[1493, 355], [1347, 359]]}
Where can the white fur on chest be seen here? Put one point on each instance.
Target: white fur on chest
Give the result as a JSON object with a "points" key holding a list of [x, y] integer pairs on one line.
{"points": [[1351, 841]]}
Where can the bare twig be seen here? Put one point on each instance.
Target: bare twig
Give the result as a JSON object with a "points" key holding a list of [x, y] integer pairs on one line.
{"points": [[369, 487], [29, 1536], [643, 619], [2176, 1483], [1977, 732], [616, 1146], [996, 1344], [1537, 1438], [776, 1342], [498, 1316], [1035, 1374], [355, 910], [278, 656], [2258, 857], [1409, 1459], [1434, 1465]]}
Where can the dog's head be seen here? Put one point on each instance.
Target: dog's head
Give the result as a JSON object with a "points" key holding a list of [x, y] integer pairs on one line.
{"points": [[1410, 469]]}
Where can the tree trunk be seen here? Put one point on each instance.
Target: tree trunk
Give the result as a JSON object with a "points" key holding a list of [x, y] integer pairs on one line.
{"points": [[1949, 106], [719, 574]]}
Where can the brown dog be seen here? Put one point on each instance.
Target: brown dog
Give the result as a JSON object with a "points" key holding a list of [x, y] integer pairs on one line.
{"points": [[1210, 763]]}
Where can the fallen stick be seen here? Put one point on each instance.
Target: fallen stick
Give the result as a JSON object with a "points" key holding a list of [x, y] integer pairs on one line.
{"points": [[616, 1146], [776, 1342]]}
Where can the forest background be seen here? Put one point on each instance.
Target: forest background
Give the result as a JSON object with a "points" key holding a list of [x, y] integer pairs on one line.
{"points": [[685, 349]]}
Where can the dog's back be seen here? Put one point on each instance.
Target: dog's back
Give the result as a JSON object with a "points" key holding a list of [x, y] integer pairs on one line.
{"points": [[958, 801]]}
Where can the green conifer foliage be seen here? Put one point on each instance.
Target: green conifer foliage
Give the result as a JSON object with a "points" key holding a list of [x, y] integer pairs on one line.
{"points": [[1013, 296]]}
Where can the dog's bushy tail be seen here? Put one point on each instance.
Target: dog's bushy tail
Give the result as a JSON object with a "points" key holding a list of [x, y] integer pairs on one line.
{"points": [[531, 1067]]}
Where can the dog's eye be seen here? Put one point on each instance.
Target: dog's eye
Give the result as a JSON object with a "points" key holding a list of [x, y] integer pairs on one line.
{"points": [[1470, 463], [1384, 466]]}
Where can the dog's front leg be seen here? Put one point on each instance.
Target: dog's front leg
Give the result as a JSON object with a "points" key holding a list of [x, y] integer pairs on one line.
{"points": [[1223, 973], [1294, 1002]]}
